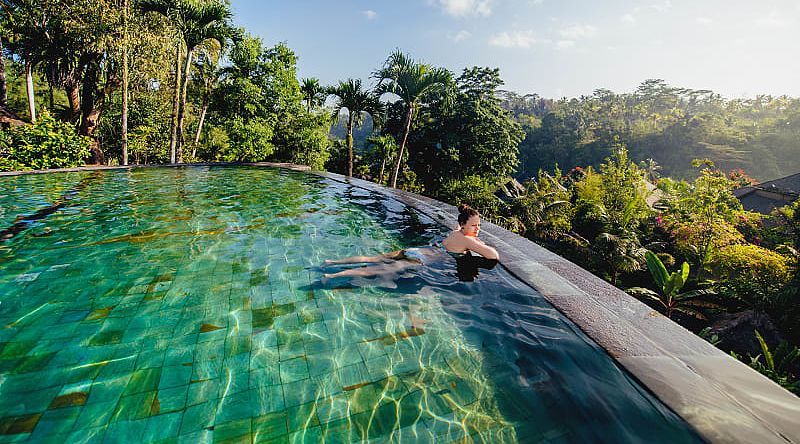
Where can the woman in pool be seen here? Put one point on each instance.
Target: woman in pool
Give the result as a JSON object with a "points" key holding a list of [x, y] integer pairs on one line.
{"points": [[458, 244]]}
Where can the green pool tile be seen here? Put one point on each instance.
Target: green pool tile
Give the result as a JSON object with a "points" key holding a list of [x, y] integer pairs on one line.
{"points": [[321, 363], [133, 407], [332, 408], [108, 389], [290, 320], [291, 350], [300, 392], [267, 399], [204, 436], [233, 382], [28, 402], [232, 431], [237, 363], [238, 345], [270, 427], [55, 422], [339, 431], [302, 416], [353, 375], [106, 338], [23, 424], [174, 376], [94, 435], [172, 399], [317, 345], [198, 417], [150, 359], [179, 355], [234, 406], [95, 414], [294, 370], [365, 398], [202, 391], [378, 367], [163, 427], [145, 380], [313, 434], [125, 431], [33, 363]]}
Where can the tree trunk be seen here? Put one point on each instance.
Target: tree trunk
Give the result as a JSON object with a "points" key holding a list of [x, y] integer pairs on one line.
{"points": [[383, 165], [29, 90], [349, 144], [199, 128], [91, 113], [124, 130], [399, 160], [73, 96], [173, 137], [182, 107], [3, 88]]}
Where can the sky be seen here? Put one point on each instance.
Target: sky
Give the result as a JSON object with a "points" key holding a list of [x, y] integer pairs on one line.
{"points": [[554, 48]]}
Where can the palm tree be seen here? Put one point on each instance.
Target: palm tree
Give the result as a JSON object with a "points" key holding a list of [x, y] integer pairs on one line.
{"points": [[313, 93], [194, 23], [351, 95], [410, 81], [385, 148], [207, 76]]}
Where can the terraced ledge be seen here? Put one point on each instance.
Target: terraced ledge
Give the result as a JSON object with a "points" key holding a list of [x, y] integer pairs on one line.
{"points": [[724, 400]]}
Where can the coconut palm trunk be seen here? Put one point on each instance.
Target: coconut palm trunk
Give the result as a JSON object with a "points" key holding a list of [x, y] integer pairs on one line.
{"points": [[200, 127], [406, 131], [182, 106], [124, 130], [350, 145], [176, 102], [29, 90], [3, 87]]}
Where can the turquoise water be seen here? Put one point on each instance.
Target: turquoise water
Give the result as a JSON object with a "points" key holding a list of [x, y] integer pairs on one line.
{"points": [[186, 305]]}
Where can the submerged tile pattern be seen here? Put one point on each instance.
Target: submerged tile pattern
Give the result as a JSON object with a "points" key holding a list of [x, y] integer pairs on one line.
{"points": [[195, 314]]}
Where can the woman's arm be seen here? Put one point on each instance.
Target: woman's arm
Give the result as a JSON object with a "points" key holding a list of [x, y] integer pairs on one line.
{"points": [[477, 245]]}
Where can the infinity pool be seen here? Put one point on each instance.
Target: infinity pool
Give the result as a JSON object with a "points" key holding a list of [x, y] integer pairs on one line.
{"points": [[185, 304]]}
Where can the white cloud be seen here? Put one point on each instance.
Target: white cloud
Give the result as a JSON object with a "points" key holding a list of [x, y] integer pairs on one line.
{"points": [[628, 18], [564, 44], [462, 8], [578, 31], [705, 21], [663, 6], [369, 14], [773, 20], [517, 39], [459, 36], [537, 2]]}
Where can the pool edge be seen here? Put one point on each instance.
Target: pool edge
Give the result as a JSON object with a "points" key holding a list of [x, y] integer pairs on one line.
{"points": [[721, 398]]}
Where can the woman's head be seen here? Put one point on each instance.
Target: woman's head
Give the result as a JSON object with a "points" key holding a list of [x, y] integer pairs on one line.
{"points": [[469, 220]]}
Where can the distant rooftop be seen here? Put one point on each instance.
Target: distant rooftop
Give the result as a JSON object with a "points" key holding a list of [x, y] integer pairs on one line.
{"points": [[765, 197]]}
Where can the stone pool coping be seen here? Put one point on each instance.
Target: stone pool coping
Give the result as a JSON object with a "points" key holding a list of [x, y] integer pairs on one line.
{"points": [[723, 399]]}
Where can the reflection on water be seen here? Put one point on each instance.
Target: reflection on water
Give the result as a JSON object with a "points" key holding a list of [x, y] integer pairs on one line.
{"points": [[186, 303]]}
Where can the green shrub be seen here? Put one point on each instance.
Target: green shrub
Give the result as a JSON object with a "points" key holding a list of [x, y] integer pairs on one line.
{"points": [[474, 191], [48, 143], [751, 274]]}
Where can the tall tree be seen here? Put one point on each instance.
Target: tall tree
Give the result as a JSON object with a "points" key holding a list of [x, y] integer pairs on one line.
{"points": [[352, 96], [3, 88], [313, 93], [194, 23], [206, 77], [411, 81], [124, 82]]}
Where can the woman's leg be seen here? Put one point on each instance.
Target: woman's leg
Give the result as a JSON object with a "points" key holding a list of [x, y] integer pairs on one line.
{"points": [[375, 270], [392, 255]]}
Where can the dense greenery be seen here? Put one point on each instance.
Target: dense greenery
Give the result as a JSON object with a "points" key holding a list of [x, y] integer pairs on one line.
{"points": [[667, 124], [158, 81]]}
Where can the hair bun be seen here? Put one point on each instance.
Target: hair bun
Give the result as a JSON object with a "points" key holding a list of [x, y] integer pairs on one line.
{"points": [[463, 208]]}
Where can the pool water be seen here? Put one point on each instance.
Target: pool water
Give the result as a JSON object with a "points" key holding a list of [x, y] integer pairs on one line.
{"points": [[187, 305]]}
